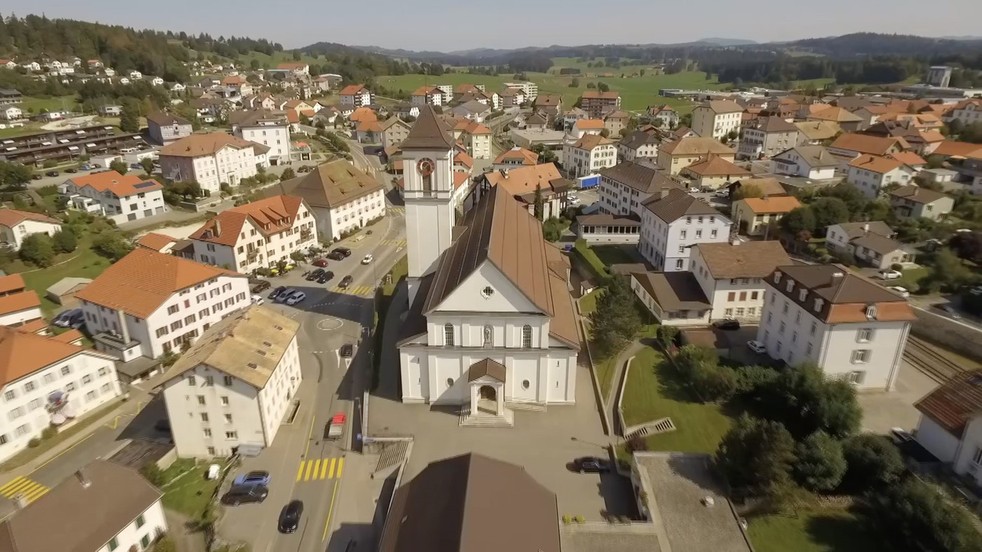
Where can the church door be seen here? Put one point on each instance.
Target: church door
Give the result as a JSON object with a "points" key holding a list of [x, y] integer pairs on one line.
{"points": [[487, 393]]}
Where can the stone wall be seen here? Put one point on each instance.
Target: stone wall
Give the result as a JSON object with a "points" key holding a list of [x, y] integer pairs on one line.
{"points": [[953, 335]]}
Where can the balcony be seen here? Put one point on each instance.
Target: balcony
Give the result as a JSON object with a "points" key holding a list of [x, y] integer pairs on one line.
{"points": [[306, 235]]}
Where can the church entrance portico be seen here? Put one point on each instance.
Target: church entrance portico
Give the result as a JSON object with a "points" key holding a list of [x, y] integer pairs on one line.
{"points": [[486, 379]]}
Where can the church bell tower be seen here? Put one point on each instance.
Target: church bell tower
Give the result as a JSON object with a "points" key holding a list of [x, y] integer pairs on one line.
{"points": [[427, 155]]}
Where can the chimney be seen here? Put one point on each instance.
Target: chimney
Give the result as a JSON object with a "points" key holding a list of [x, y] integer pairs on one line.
{"points": [[218, 227], [84, 481], [123, 330]]}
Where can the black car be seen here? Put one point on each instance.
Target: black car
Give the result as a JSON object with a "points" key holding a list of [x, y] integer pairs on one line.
{"points": [[51, 173], [290, 516], [345, 282], [261, 286], [71, 170], [315, 274], [347, 350], [239, 494], [325, 277], [591, 464], [728, 324], [36, 176], [339, 253], [276, 293]]}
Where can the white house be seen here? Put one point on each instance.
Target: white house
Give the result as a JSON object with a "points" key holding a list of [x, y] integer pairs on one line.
{"points": [[165, 128], [16, 225], [716, 118], [674, 221], [731, 275], [341, 197], [104, 507], [850, 327], [588, 155], [950, 427], [235, 385], [491, 321], [264, 127], [149, 303], [475, 136], [967, 112], [48, 380], [813, 162], [427, 95], [11, 112], [673, 297], [637, 146], [627, 185], [212, 159], [121, 198], [871, 174], [18, 305], [916, 202], [256, 235], [355, 95]]}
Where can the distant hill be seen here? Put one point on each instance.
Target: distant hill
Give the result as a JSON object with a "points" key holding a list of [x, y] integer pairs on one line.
{"points": [[726, 41], [876, 44]]}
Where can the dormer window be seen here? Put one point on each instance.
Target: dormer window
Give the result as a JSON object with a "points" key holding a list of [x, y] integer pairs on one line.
{"points": [[871, 312], [802, 294], [777, 277], [790, 285], [819, 303]]}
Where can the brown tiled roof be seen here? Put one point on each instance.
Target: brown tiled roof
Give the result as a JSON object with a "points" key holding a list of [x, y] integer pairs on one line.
{"points": [[163, 118], [521, 181], [17, 302], [917, 194], [696, 146], [425, 90], [369, 126], [500, 230], [362, 114], [864, 143], [198, 145], [950, 148], [818, 130], [955, 402], [722, 106], [428, 132], [487, 367], [155, 241], [678, 204], [908, 158], [597, 95], [589, 124], [837, 114], [139, 283], [875, 163], [115, 183], [460, 178], [11, 283], [527, 157], [769, 186], [591, 141], [845, 296], [88, 516], [12, 217], [351, 90], [331, 185], [716, 166], [22, 353], [270, 216], [484, 505], [755, 259], [464, 159], [775, 124], [33, 326], [640, 177], [771, 204], [673, 291], [548, 100]]}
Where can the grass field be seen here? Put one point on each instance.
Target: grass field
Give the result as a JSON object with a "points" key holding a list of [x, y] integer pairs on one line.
{"points": [[54, 103], [187, 490], [832, 530]]}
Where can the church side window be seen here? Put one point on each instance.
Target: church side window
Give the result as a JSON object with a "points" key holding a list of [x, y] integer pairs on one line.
{"points": [[427, 182], [526, 337], [448, 335]]}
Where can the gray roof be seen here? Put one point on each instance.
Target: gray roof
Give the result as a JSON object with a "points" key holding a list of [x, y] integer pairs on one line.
{"points": [[163, 118], [639, 138], [917, 194], [472, 503], [776, 124], [837, 287], [678, 204], [673, 291], [877, 243], [815, 156], [429, 132], [253, 117], [640, 177], [66, 284], [474, 106], [855, 229]]}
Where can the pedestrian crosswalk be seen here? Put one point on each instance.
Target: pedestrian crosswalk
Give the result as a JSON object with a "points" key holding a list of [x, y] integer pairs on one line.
{"points": [[320, 468], [400, 210], [21, 486], [400, 243], [360, 291]]}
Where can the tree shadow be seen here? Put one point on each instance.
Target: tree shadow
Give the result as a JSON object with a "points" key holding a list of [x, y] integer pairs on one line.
{"points": [[670, 383], [841, 530]]}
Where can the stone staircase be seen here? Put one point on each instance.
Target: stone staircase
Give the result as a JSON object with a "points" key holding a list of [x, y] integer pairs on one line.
{"points": [[529, 407], [663, 425], [485, 420]]}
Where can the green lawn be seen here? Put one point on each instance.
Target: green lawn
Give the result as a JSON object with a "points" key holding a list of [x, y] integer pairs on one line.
{"points": [[910, 278], [816, 531], [653, 392], [53, 103], [615, 254], [187, 490], [82, 263], [588, 303]]}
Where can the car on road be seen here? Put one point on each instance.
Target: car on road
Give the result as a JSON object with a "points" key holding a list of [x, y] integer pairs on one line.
{"points": [[319, 262], [276, 293], [257, 477], [261, 286], [290, 516], [591, 464], [339, 253], [325, 277], [949, 310], [694, 190], [258, 300], [888, 274], [315, 274], [65, 319], [71, 170], [347, 350], [756, 346], [241, 494], [36, 176], [345, 282], [727, 324], [284, 295], [367, 259], [295, 298], [901, 291], [51, 173]]}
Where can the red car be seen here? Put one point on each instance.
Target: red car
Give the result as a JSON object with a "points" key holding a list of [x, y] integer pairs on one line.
{"points": [[320, 262]]}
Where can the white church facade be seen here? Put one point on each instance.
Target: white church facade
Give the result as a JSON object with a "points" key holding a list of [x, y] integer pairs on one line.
{"points": [[491, 324]]}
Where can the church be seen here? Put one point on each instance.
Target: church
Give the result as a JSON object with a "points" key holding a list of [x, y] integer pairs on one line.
{"points": [[491, 325]]}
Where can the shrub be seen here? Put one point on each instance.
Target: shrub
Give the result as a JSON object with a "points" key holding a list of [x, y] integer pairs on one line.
{"points": [[749, 378], [820, 464], [38, 249], [637, 444], [34, 443], [897, 266], [65, 241], [873, 462], [152, 473], [49, 432]]}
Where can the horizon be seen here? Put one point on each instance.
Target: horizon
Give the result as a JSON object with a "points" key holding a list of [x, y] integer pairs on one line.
{"points": [[646, 26]]}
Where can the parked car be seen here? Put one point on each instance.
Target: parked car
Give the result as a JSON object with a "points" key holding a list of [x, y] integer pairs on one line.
{"points": [[86, 167], [886, 274], [591, 464], [727, 324], [261, 286], [296, 298], [345, 282], [367, 259], [65, 319], [949, 310], [276, 293], [36, 176], [319, 262], [756, 346], [339, 253], [51, 173], [902, 291], [284, 295], [290, 516], [71, 170], [258, 300], [245, 493], [347, 350], [326, 277], [694, 190], [315, 274], [253, 478]]}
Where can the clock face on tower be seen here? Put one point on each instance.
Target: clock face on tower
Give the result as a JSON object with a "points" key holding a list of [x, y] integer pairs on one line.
{"points": [[425, 167]]}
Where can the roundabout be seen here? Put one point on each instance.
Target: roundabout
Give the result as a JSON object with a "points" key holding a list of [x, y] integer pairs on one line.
{"points": [[329, 324]]}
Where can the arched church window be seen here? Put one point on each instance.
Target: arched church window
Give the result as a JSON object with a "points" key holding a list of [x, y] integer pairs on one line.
{"points": [[448, 335]]}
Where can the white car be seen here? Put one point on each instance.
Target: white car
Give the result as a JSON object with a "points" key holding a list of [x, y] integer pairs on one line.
{"points": [[888, 274], [901, 291], [257, 300], [368, 259], [756, 346], [296, 298]]}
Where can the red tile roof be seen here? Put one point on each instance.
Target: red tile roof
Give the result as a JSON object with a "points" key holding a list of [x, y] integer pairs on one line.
{"points": [[13, 217], [955, 403], [270, 215], [115, 183], [155, 241]]}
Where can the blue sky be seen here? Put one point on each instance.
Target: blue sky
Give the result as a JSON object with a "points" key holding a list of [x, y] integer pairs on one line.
{"points": [[461, 25]]}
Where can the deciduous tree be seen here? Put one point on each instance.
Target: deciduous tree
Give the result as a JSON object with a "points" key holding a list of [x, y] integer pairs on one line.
{"points": [[872, 462], [913, 517], [64, 241], [38, 249], [756, 455], [615, 319], [805, 401], [820, 464]]}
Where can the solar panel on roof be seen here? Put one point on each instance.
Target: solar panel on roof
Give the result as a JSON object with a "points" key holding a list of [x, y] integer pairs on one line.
{"points": [[144, 185]]}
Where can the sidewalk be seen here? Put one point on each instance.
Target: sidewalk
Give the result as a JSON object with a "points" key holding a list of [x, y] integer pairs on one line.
{"points": [[356, 505], [610, 401]]}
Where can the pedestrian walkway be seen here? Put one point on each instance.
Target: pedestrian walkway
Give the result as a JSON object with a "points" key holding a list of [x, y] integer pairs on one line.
{"points": [[399, 243], [360, 291], [400, 210], [22, 486], [319, 469]]}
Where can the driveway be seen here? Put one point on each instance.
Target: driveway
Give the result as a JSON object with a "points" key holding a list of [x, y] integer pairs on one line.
{"points": [[883, 411]]}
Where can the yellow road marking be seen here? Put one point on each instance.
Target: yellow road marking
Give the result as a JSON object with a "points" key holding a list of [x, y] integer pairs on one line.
{"points": [[330, 510], [30, 489], [327, 462], [55, 457], [310, 465], [300, 471], [340, 464], [310, 435], [330, 474]]}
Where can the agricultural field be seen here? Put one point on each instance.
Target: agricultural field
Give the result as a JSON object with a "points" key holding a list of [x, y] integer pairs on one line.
{"points": [[52, 103]]}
